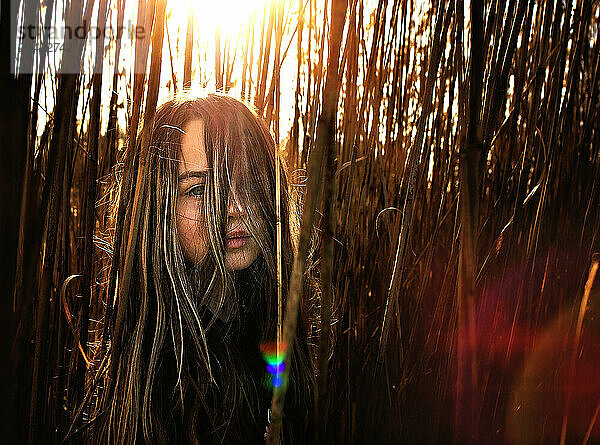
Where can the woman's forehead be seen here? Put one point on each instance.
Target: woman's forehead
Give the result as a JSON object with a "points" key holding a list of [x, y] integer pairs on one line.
{"points": [[193, 151]]}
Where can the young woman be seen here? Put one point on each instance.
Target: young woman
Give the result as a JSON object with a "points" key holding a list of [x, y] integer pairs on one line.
{"points": [[203, 293]]}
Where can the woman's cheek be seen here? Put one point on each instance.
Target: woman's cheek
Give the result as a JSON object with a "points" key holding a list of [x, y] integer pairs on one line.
{"points": [[191, 237]]}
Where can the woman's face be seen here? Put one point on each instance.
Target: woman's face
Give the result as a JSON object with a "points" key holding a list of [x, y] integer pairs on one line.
{"points": [[241, 248]]}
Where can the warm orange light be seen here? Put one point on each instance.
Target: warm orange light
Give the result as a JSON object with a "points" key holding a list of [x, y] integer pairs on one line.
{"points": [[230, 17]]}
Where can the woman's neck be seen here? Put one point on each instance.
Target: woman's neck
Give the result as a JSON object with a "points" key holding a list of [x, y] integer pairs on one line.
{"points": [[227, 312]]}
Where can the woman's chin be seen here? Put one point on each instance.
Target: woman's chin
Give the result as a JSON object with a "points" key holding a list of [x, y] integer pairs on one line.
{"points": [[242, 257]]}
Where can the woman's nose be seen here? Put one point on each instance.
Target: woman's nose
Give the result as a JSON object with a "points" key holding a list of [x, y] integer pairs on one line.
{"points": [[233, 208]]}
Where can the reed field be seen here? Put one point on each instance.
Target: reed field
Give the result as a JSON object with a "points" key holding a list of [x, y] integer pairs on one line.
{"points": [[447, 155]]}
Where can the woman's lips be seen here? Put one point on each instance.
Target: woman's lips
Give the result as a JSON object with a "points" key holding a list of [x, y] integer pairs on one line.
{"points": [[237, 239]]}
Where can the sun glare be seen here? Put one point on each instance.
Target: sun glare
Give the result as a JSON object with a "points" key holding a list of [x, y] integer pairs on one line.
{"points": [[229, 17]]}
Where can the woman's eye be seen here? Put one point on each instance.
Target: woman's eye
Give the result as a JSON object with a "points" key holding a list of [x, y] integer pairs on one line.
{"points": [[196, 191]]}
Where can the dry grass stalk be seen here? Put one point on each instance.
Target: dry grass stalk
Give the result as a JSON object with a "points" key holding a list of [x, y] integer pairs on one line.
{"points": [[324, 143]]}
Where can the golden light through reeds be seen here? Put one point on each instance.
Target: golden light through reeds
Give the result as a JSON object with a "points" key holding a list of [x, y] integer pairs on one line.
{"points": [[230, 17], [233, 40], [400, 127]]}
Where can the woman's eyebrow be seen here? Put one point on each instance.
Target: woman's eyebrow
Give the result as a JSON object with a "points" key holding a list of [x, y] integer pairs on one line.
{"points": [[193, 174]]}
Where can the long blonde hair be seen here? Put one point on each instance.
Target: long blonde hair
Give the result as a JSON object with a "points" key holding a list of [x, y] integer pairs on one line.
{"points": [[180, 373]]}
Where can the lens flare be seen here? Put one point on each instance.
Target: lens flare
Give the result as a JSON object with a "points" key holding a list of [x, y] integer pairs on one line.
{"points": [[274, 355]]}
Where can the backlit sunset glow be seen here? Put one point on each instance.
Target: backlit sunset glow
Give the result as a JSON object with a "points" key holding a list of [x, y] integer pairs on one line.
{"points": [[231, 17], [430, 246]]}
